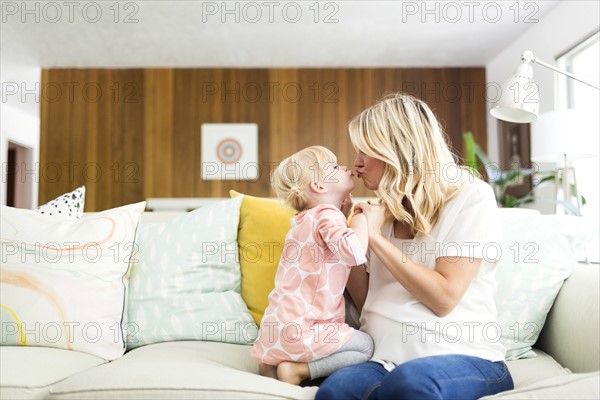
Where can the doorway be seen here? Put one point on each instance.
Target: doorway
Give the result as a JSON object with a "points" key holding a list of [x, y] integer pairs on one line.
{"points": [[20, 176]]}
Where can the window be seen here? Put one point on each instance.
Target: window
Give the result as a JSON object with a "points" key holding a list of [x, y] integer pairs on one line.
{"points": [[583, 61]]}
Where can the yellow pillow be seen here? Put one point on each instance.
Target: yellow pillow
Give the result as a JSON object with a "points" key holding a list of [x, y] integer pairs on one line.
{"points": [[261, 233]]}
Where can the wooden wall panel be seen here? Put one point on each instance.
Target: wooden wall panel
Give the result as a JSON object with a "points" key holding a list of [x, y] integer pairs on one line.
{"points": [[91, 149], [284, 133], [130, 134]]}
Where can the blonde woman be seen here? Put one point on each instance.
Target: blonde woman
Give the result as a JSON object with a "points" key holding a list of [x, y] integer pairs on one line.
{"points": [[302, 333], [427, 295]]}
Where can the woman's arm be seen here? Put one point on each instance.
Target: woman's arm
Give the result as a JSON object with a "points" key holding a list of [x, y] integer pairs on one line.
{"points": [[358, 285], [440, 289]]}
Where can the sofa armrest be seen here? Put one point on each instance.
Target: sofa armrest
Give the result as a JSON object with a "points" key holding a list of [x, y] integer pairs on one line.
{"points": [[571, 333]]}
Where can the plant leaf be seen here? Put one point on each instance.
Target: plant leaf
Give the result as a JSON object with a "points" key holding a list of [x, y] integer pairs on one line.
{"points": [[546, 179], [470, 155], [510, 201]]}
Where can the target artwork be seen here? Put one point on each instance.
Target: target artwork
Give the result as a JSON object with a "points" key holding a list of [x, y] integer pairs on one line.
{"points": [[229, 152]]}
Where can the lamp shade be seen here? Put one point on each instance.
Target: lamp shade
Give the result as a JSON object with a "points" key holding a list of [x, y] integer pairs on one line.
{"points": [[573, 133], [519, 100]]}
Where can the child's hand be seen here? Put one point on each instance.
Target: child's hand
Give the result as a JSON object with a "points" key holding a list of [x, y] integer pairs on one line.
{"points": [[347, 205]]}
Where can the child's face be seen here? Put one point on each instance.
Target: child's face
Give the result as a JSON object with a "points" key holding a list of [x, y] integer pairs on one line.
{"points": [[338, 179]]}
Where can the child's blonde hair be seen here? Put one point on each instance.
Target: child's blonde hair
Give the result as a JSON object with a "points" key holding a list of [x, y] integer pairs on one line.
{"points": [[292, 176]]}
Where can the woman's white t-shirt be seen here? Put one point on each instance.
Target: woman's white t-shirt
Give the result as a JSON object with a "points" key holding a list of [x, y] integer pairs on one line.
{"points": [[402, 327]]}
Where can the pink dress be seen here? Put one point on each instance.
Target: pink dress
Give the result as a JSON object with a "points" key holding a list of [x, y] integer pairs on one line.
{"points": [[304, 320]]}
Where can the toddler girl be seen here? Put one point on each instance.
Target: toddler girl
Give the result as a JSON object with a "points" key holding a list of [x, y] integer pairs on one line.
{"points": [[303, 333]]}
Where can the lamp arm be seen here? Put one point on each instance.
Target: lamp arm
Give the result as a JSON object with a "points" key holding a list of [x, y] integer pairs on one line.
{"points": [[528, 56]]}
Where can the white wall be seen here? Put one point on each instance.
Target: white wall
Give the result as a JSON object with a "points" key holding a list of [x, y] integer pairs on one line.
{"points": [[20, 123], [561, 28]]}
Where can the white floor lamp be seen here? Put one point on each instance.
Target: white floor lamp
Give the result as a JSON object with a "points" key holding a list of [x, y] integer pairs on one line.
{"points": [[519, 101]]}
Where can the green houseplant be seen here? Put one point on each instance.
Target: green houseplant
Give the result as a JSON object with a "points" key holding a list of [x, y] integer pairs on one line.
{"points": [[500, 180]]}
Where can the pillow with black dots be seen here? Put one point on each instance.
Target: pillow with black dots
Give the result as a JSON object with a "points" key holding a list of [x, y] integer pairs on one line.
{"points": [[68, 205]]}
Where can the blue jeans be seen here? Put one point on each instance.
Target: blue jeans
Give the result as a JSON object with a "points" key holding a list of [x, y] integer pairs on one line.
{"points": [[436, 377]]}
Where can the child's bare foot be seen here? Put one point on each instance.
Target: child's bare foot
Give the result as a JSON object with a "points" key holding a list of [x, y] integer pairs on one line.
{"points": [[267, 370], [292, 372]]}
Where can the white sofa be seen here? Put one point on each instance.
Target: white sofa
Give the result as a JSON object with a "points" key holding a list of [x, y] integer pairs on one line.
{"points": [[566, 366]]}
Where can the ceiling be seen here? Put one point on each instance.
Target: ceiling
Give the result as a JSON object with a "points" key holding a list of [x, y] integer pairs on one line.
{"points": [[262, 33]]}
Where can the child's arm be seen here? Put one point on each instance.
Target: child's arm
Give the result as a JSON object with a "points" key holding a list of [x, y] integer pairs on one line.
{"points": [[342, 240], [347, 205], [358, 223]]}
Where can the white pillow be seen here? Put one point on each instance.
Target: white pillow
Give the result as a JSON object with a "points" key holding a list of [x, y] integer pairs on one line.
{"points": [[64, 281], [185, 284], [538, 254], [68, 205]]}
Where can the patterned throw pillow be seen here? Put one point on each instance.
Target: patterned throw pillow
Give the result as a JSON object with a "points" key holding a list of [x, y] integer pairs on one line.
{"points": [[185, 283], [538, 254], [69, 204], [63, 281]]}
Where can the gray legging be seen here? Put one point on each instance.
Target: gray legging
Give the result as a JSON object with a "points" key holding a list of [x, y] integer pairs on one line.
{"points": [[357, 350]]}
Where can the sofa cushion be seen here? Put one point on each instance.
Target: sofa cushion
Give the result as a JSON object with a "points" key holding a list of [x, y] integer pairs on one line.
{"points": [[527, 371], [263, 226], [185, 369], [185, 281], [68, 205], [63, 281], [27, 372], [538, 254], [572, 386]]}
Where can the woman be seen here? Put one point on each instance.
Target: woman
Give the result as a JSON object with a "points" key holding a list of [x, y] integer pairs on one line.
{"points": [[427, 294]]}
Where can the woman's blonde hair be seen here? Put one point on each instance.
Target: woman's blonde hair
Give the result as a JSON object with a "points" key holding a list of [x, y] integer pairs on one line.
{"points": [[292, 176], [421, 174]]}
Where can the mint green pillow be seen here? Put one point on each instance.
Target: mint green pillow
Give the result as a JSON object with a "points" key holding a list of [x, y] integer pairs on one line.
{"points": [[185, 280], [538, 254]]}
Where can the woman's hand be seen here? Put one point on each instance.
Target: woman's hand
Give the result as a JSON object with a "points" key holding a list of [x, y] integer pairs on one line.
{"points": [[375, 214]]}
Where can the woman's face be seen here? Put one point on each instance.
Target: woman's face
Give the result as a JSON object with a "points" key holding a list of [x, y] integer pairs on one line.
{"points": [[369, 169]]}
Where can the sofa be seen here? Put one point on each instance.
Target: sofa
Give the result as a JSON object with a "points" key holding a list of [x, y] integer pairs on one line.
{"points": [[561, 362]]}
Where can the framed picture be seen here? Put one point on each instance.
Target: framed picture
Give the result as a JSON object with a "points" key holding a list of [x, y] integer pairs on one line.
{"points": [[229, 152], [515, 148]]}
